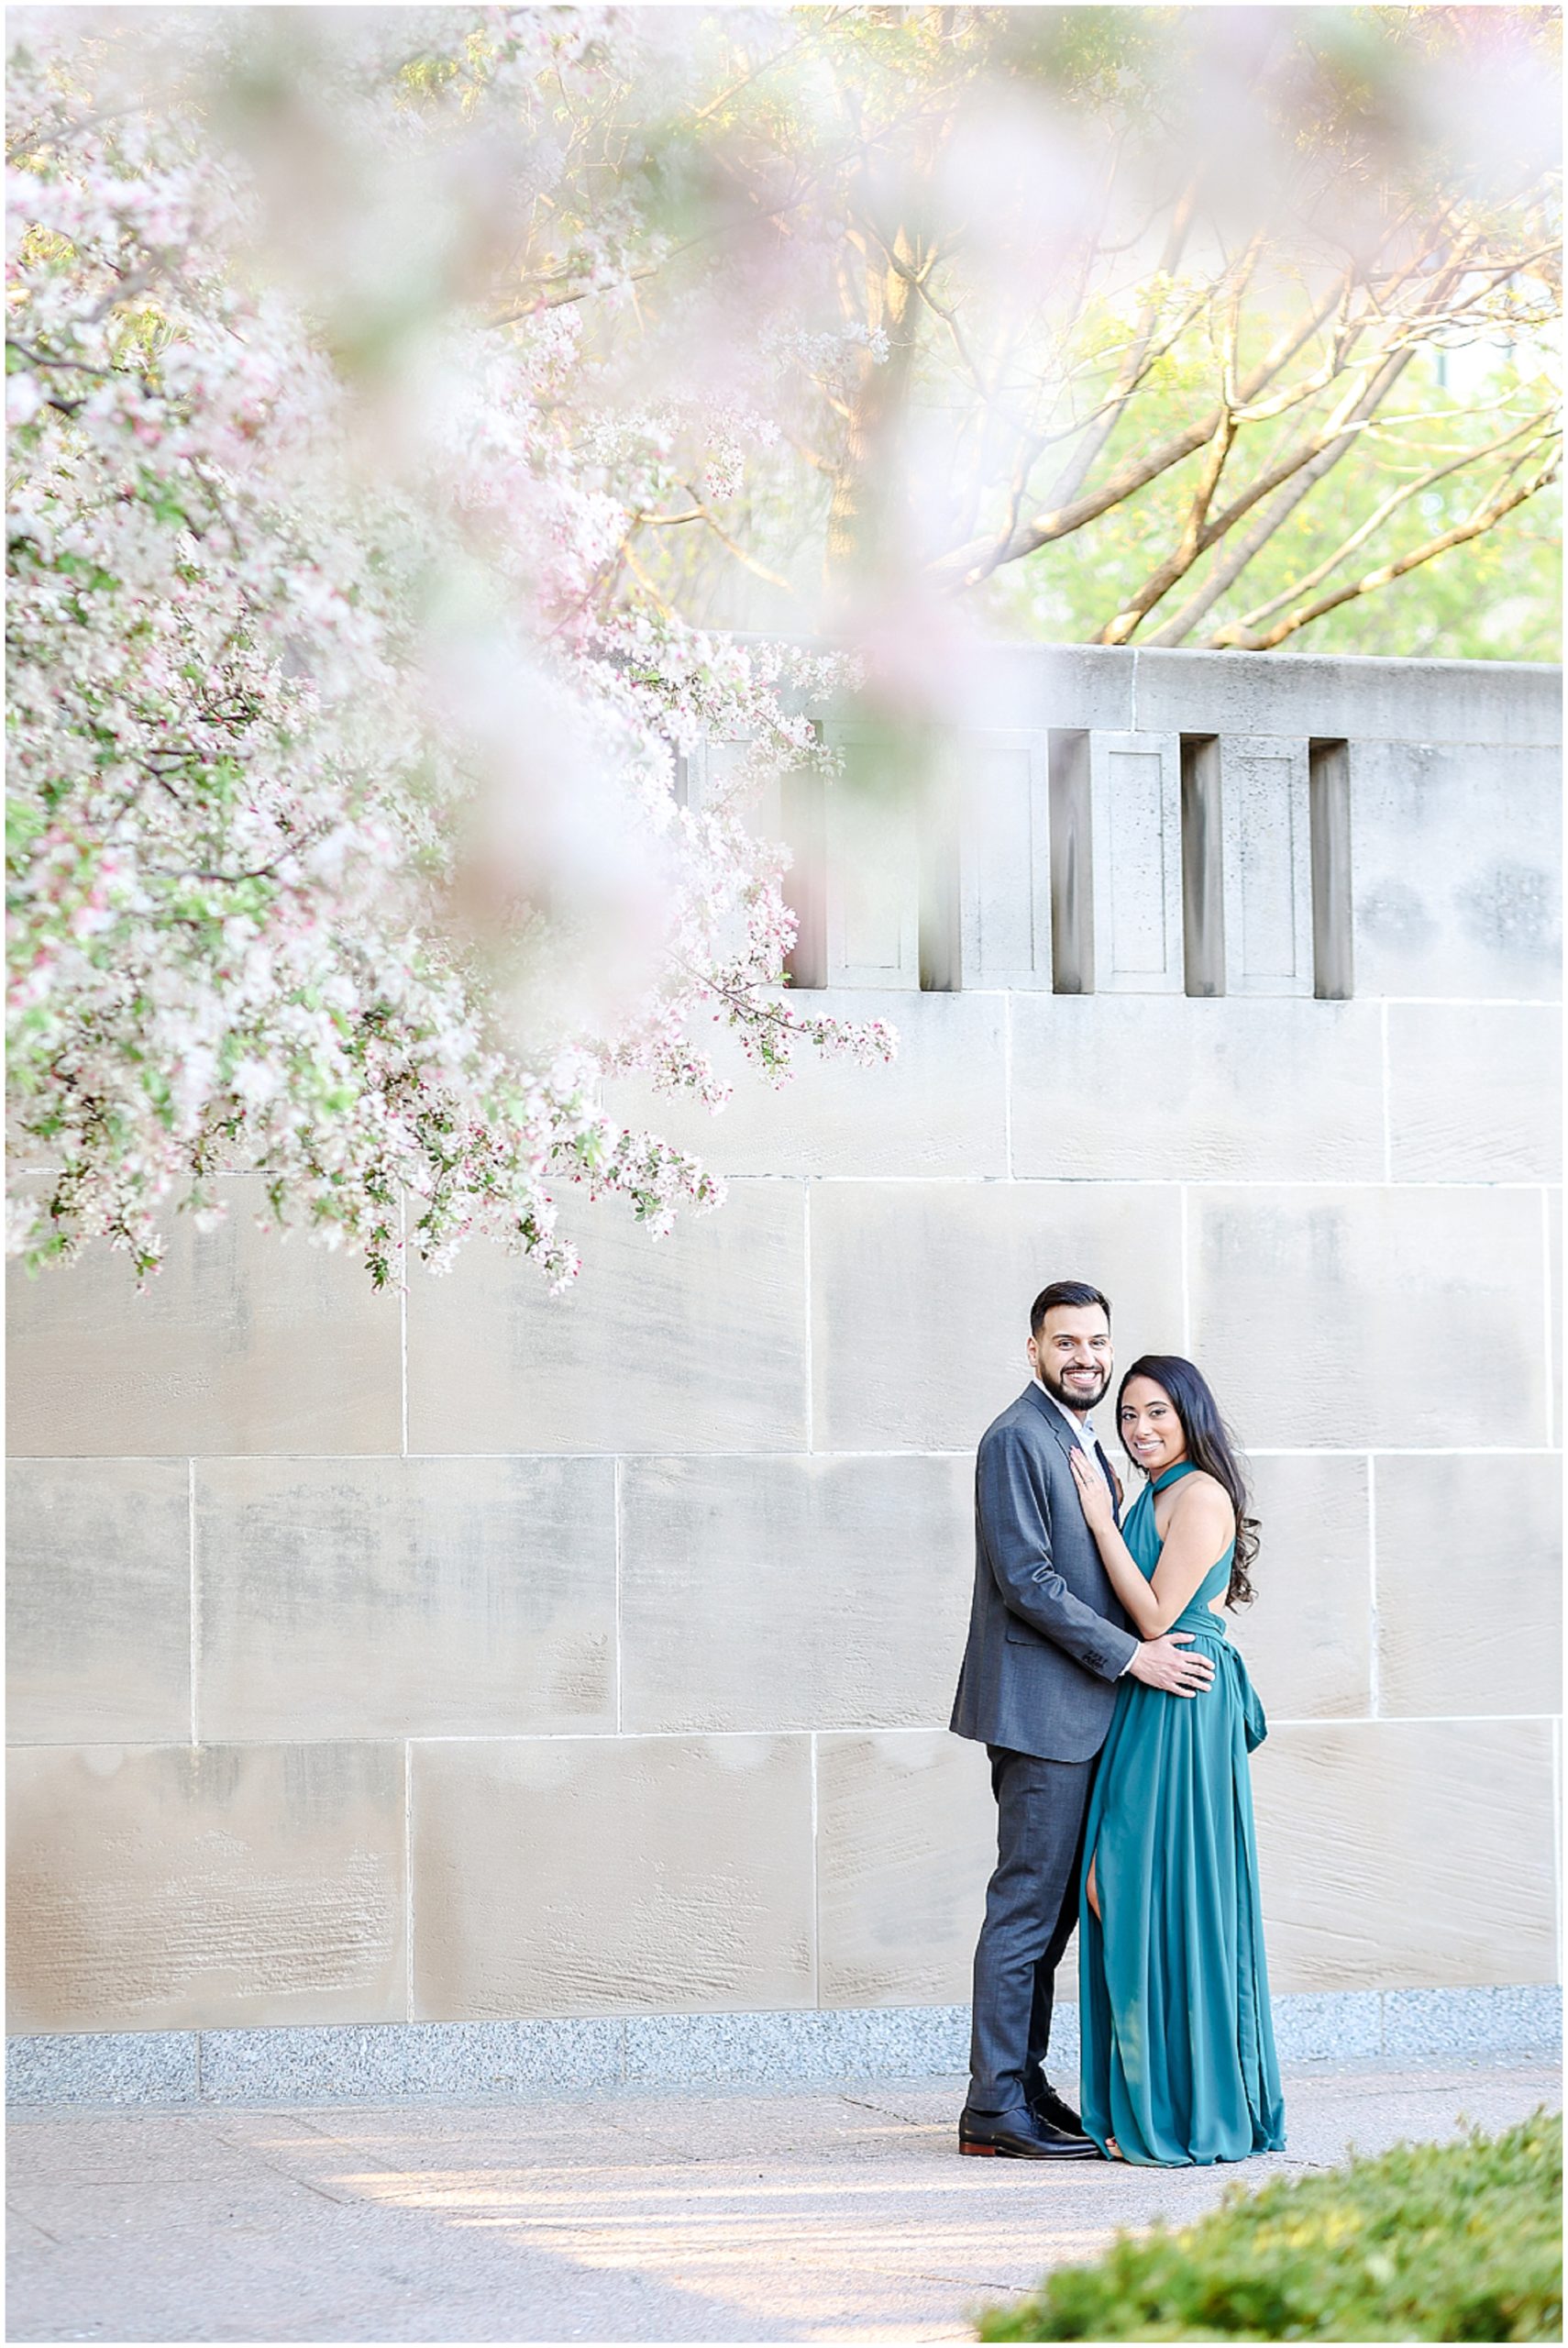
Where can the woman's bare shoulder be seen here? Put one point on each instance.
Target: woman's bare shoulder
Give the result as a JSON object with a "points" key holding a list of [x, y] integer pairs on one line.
{"points": [[1203, 1496]]}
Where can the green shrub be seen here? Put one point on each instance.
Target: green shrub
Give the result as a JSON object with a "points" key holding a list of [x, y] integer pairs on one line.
{"points": [[1429, 2241]]}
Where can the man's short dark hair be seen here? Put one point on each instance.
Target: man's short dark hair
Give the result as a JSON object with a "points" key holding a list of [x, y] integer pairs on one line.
{"points": [[1075, 1292]]}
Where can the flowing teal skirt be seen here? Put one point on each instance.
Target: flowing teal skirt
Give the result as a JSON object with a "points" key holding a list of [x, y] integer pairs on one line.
{"points": [[1178, 2060]]}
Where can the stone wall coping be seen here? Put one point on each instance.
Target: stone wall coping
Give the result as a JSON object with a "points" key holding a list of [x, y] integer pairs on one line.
{"points": [[1330, 696]]}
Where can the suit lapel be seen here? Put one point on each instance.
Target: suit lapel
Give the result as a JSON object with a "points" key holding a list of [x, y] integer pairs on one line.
{"points": [[1054, 1420], [1059, 1428]]}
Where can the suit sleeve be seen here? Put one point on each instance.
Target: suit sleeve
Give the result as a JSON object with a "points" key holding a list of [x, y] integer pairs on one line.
{"points": [[1016, 1522]]}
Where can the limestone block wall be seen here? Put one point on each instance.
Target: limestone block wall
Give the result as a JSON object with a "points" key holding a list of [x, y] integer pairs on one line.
{"points": [[468, 1654]]}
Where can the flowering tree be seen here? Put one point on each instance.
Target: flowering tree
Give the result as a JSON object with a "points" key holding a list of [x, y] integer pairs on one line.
{"points": [[345, 842], [409, 406]]}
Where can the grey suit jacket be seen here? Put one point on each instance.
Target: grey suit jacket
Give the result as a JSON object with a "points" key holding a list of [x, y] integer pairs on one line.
{"points": [[1047, 1640]]}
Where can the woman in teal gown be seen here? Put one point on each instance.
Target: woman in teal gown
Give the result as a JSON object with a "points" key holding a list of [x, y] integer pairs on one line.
{"points": [[1179, 2064]]}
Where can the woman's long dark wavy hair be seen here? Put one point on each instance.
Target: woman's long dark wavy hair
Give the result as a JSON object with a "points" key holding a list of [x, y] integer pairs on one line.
{"points": [[1209, 1445]]}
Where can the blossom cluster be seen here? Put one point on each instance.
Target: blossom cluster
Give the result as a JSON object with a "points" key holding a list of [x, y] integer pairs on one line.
{"points": [[345, 845]]}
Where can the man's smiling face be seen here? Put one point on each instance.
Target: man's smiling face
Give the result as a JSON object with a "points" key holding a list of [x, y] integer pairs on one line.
{"points": [[1073, 1355]]}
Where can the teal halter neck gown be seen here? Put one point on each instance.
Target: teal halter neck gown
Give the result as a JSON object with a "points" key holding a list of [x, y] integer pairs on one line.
{"points": [[1178, 2061]]}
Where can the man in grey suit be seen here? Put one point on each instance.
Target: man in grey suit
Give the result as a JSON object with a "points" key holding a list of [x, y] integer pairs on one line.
{"points": [[1047, 1644]]}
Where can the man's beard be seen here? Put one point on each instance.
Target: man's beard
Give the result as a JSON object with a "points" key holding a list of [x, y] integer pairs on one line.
{"points": [[1071, 1400]]}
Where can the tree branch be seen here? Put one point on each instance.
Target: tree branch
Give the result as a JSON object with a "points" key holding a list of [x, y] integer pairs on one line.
{"points": [[1298, 471], [971, 564], [1235, 631], [1073, 474], [1300, 474], [1485, 518]]}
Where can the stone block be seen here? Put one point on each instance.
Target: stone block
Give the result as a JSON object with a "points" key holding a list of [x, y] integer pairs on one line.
{"points": [[1470, 2023], [906, 2043], [98, 1601], [1135, 791], [940, 1107], [1456, 871], [1003, 785], [1353, 698], [1408, 1854], [600, 1875], [1406, 1317], [767, 1593], [1306, 1637], [1073, 686], [1108, 1088], [1469, 1584], [393, 1598], [103, 2066], [449, 2062], [906, 1842], [183, 1887], [1328, 2026], [241, 1343], [920, 1294], [1476, 1093], [1267, 865], [693, 1343]]}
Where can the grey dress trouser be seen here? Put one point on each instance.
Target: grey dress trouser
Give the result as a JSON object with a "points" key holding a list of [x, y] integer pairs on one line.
{"points": [[1031, 1908]]}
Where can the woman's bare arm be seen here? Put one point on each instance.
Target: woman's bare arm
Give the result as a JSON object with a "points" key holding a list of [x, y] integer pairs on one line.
{"points": [[1202, 1525]]}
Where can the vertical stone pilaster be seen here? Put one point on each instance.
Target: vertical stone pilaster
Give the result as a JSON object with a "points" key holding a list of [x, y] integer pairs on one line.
{"points": [[1004, 786], [1135, 788], [1268, 870], [872, 883]]}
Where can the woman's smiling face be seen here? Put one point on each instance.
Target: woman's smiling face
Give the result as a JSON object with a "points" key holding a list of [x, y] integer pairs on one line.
{"points": [[1151, 1427]]}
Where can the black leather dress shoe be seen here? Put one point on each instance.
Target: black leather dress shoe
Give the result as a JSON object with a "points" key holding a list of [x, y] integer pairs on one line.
{"points": [[1047, 2105], [1019, 2136]]}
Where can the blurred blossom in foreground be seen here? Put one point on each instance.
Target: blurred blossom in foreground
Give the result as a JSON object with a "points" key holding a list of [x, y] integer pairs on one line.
{"points": [[345, 845], [431, 426]]}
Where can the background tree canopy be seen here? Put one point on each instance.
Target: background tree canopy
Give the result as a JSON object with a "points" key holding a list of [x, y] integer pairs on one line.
{"points": [[1209, 327]]}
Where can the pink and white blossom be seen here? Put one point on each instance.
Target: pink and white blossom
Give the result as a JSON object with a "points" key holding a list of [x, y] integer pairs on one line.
{"points": [[334, 766]]}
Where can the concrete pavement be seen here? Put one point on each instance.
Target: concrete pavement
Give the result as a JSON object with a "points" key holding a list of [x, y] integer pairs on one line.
{"points": [[838, 2214]]}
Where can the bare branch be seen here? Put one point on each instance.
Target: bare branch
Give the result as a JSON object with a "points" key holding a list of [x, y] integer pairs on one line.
{"points": [[1485, 518], [768, 66], [1076, 471], [1301, 475], [557, 292], [972, 563], [1236, 630], [732, 546], [1294, 475]]}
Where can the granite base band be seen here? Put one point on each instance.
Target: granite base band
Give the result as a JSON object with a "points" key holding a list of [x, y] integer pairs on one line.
{"points": [[532, 2061]]}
